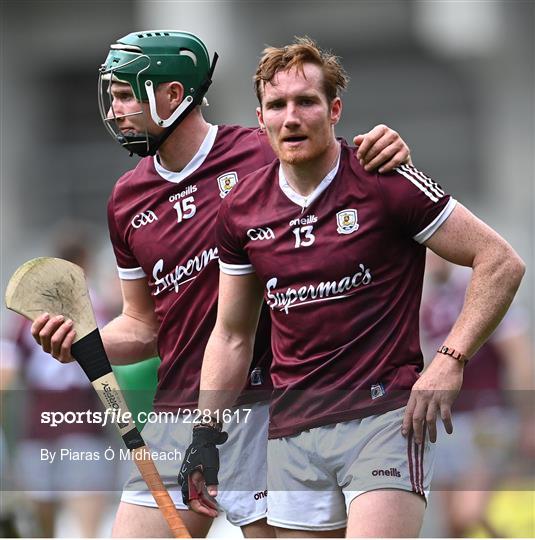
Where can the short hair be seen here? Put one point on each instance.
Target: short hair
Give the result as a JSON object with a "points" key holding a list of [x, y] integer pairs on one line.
{"points": [[303, 50]]}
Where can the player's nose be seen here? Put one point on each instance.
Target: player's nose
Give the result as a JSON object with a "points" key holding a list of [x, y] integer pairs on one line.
{"points": [[111, 113], [291, 118], [115, 109]]}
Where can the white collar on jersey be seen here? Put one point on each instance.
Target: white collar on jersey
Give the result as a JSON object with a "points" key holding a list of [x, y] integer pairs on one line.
{"points": [[302, 201], [194, 164]]}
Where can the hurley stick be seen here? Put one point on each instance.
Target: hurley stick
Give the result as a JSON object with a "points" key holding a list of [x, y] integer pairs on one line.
{"points": [[58, 287]]}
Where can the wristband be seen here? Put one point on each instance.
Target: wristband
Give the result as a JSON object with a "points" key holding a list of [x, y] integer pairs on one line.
{"points": [[456, 355], [212, 423]]}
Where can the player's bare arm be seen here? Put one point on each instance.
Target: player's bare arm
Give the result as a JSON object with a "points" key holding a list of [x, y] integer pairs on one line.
{"points": [[497, 271], [224, 372], [382, 147], [230, 347], [130, 337]]}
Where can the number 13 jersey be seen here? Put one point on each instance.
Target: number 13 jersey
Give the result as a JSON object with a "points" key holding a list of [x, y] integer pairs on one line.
{"points": [[342, 271]]}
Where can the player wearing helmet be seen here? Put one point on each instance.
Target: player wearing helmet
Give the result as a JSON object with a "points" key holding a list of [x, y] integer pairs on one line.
{"points": [[144, 60], [161, 219]]}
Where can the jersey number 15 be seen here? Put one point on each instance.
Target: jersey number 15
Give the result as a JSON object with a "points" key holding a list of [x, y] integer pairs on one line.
{"points": [[185, 209]]}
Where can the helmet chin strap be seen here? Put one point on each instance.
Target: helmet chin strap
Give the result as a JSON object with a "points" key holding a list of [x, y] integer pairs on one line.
{"points": [[146, 144], [149, 87]]}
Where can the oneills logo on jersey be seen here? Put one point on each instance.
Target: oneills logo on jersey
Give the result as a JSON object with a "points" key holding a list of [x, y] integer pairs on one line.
{"points": [[226, 182], [347, 221]]}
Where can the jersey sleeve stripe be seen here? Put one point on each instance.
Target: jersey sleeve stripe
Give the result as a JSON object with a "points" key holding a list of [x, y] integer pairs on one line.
{"points": [[429, 182], [418, 183], [236, 269], [432, 228], [131, 273]]}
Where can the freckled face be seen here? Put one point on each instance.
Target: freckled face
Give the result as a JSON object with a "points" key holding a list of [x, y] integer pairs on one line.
{"points": [[297, 116]]}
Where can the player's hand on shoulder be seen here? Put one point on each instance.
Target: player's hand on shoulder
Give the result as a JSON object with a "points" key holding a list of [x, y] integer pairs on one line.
{"points": [[382, 148], [200, 467], [55, 335], [432, 396]]}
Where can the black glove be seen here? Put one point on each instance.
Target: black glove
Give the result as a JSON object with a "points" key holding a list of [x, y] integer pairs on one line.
{"points": [[201, 455]]}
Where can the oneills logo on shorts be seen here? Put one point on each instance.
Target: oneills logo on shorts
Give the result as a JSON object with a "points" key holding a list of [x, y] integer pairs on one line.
{"points": [[226, 182], [346, 221], [260, 495], [386, 472], [143, 219]]}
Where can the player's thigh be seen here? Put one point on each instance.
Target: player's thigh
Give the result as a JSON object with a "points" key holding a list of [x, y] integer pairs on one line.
{"points": [[297, 533], [258, 529], [386, 513], [134, 521]]}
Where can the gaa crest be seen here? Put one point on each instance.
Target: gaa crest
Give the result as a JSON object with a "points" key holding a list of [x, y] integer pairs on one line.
{"points": [[226, 182], [346, 221]]}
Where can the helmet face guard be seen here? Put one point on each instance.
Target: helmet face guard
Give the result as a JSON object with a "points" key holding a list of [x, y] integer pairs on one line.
{"points": [[142, 144], [143, 60]]}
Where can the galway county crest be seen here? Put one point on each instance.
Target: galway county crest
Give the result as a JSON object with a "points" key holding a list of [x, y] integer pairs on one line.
{"points": [[347, 221], [226, 182]]}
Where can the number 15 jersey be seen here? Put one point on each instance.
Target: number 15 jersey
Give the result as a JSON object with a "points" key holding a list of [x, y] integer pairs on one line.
{"points": [[162, 229]]}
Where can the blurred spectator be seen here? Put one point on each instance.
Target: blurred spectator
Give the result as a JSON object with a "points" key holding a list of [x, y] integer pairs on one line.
{"points": [[79, 486], [7, 374], [493, 415]]}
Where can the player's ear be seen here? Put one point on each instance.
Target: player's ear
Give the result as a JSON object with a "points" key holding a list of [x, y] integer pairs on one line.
{"points": [[336, 110], [175, 93], [260, 118]]}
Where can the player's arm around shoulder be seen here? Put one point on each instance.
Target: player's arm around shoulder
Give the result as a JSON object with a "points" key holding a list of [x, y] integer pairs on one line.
{"points": [[497, 271], [382, 148]]}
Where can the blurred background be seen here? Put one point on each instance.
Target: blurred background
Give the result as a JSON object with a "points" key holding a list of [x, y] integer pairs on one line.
{"points": [[456, 79]]}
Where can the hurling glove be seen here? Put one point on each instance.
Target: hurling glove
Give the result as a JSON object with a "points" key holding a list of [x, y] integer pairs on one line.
{"points": [[201, 455]]}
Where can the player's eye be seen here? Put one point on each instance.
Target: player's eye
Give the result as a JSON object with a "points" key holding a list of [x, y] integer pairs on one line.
{"points": [[123, 96], [275, 105]]}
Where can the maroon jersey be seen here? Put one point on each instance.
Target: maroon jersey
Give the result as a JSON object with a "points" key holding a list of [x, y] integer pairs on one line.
{"points": [[162, 228], [343, 273], [484, 376]]}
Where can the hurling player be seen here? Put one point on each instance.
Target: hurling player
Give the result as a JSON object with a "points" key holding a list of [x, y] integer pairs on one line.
{"points": [[338, 255]]}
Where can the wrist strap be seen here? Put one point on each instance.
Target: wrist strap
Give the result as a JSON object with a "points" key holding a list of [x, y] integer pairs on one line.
{"points": [[212, 423], [456, 355]]}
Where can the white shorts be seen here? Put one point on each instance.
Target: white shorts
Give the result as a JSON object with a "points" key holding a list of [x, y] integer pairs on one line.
{"points": [[242, 476], [314, 476]]}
